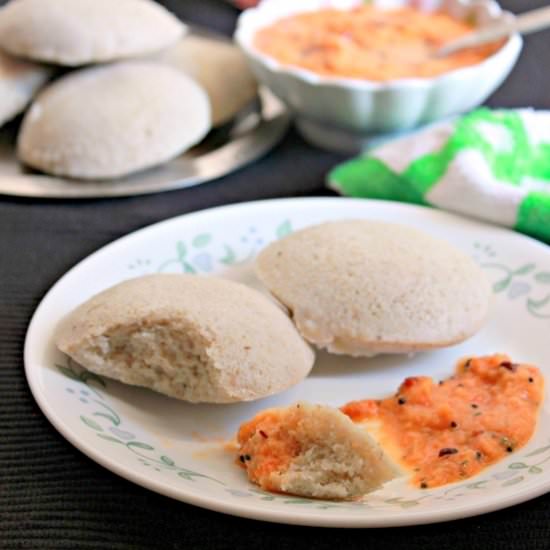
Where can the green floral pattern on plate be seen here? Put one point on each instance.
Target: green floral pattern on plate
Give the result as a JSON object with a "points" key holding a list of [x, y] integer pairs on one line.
{"points": [[202, 253], [527, 281], [108, 425]]}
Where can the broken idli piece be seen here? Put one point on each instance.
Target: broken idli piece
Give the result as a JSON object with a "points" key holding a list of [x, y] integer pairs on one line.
{"points": [[220, 68], [196, 338], [364, 287], [312, 451], [19, 83], [80, 32], [113, 120]]}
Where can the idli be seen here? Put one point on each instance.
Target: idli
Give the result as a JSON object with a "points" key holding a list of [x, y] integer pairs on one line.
{"points": [[110, 121], [220, 68], [19, 82], [365, 287], [200, 339], [79, 32], [312, 451]]}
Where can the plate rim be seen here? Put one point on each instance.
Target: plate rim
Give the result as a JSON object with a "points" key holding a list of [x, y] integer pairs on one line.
{"points": [[292, 517]]}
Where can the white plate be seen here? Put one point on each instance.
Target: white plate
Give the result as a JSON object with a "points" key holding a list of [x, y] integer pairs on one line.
{"points": [[175, 448]]}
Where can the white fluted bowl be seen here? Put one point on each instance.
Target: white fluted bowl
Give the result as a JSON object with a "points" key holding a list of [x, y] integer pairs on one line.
{"points": [[345, 113]]}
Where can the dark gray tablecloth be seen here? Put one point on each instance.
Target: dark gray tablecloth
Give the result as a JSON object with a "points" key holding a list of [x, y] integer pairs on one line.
{"points": [[52, 496]]}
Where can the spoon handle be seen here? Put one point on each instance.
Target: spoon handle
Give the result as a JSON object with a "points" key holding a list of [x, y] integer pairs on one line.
{"points": [[531, 21]]}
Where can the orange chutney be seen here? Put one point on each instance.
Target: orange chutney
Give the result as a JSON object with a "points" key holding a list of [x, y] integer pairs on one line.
{"points": [[370, 43], [448, 431]]}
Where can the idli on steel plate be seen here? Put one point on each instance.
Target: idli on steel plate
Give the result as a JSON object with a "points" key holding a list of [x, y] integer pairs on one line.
{"points": [[220, 68], [197, 338], [109, 121], [19, 82], [363, 287], [79, 32]]}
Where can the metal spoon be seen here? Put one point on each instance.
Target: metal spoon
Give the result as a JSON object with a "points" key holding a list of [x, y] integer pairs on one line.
{"points": [[531, 21]]}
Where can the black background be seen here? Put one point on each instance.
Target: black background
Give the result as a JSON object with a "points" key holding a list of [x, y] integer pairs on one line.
{"points": [[52, 496]]}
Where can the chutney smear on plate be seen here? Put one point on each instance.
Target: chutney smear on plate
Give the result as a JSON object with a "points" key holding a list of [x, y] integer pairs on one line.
{"points": [[370, 43], [450, 430]]}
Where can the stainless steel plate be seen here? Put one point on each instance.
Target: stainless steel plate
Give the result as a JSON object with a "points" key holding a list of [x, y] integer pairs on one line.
{"points": [[251, 134]]}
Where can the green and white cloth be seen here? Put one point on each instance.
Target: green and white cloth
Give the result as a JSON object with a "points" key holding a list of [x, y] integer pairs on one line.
{"points": [[492, 165]]}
